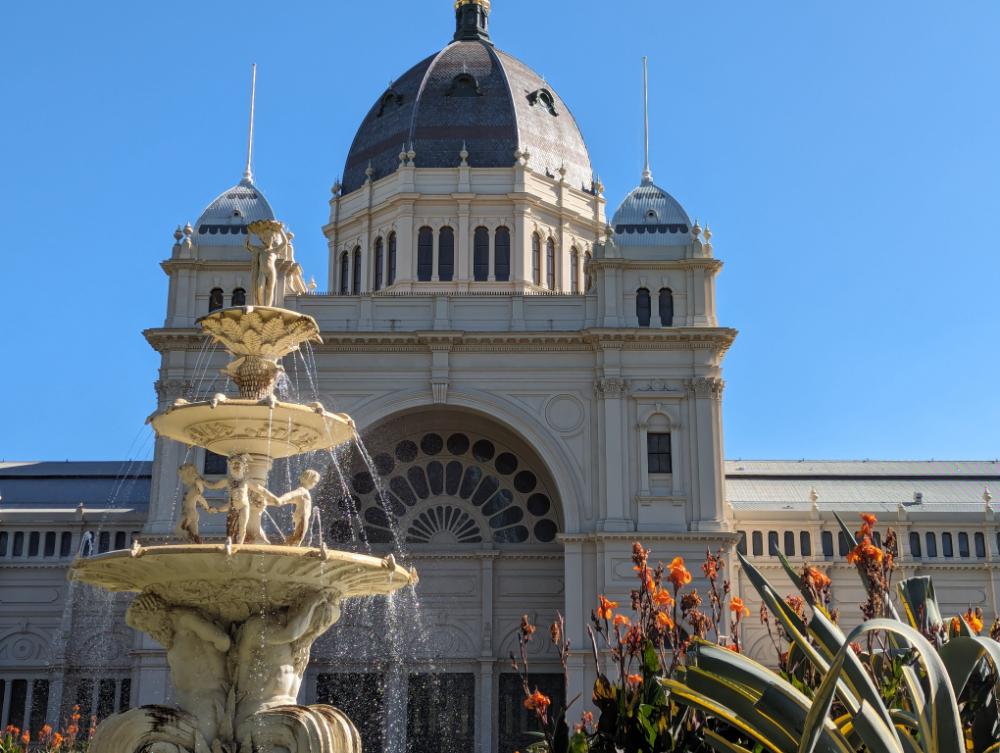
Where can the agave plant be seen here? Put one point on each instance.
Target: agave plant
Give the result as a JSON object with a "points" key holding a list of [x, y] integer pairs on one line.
{"points": [[947, 700]]}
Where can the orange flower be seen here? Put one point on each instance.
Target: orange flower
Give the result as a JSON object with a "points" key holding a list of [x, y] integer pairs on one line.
{"points": [[57, 740], [974, 621], [869, 520], [26, 738], [45, 733], [817, 579], [537, 701], [634, 679], [711, 568], [663, 621], [607, 608], [739, 608], [679, 575], [622, 621], [662, 598], [865, 552]]}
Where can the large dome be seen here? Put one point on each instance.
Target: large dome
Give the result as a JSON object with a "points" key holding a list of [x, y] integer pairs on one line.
{"points": [[469, 93]]}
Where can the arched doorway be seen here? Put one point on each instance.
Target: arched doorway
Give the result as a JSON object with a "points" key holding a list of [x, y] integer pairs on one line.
{"points": [[476, 510]]}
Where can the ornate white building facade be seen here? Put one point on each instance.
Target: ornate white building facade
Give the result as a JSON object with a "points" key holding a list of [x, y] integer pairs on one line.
{"points": [[537, 386]]}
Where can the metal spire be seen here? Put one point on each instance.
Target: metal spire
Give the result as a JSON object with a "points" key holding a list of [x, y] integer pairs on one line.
{"points": [[248, 173], [647, 174]]}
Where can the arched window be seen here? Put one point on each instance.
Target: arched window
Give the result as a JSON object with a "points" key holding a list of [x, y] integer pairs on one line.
{"points": [[843, 546], [758, 543], [446, 254], [931, 544], [915, 545], [215, 299], [789, 543], [980, 545], [805, 544], [588, 279], [481, 255], [963, 544], [947, 548], [574, 269], [501, 254], [666, 307], [239, 297], [425, 254], [772, 543], [536, 259], [390, 273], [345, 273], [379, 254], [550, 264], [643, 307], [356, 277]]}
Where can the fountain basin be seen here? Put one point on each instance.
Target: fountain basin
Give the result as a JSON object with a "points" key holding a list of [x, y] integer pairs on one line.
{"points": [[233, 426], [263, 331], [230, 586]]}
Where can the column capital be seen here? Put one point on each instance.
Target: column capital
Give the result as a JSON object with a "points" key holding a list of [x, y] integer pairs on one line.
{"points": [[704, 387]]}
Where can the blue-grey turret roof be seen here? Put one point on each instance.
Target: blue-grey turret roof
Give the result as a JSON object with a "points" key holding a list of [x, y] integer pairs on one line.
{"points": [[649, 216]]}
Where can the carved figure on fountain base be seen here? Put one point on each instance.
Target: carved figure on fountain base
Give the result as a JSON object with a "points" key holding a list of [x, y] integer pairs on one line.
{"points": [[301, 497], [194, 498]]}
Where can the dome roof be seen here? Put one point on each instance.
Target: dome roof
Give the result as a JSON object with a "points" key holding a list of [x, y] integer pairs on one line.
{"points": [[649, 216], [224, 221], [473, 94]]}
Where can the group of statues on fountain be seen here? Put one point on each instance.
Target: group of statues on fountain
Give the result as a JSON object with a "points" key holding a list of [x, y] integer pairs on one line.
{"points": [[245, 505]]}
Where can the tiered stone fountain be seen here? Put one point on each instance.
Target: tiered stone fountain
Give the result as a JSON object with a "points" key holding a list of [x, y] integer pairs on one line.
{"points": [[238, 618]]}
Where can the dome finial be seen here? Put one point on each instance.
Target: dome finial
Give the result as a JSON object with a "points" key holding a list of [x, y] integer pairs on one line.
{"points": [[248, 172], [647, 174], [472, 20]]}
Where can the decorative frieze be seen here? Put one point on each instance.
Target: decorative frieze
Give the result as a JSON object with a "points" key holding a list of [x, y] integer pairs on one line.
{"points": [[610, 387]]}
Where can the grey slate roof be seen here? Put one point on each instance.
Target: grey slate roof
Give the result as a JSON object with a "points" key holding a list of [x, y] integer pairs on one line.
{"points": [[54, 485], [224, 221], [426, 106], [649, 216]]}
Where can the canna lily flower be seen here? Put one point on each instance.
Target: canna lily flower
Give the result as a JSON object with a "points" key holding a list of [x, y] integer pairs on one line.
{"points": [[869, 520], [57, 740], [974, 620], [26, 738], [817, 579], [606, 610], [662, 598], [739, 608], [634, 680], [679, 575], [663, 621], [537, 701], [622, 621]]}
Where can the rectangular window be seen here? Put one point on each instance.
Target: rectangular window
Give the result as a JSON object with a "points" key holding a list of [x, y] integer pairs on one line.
{"points": [[18, 549], [362, 697], [39, 704], [103, 542], [66, 544], [18, 700], [931, 540], [758, 544], [34, 543], [50, 543], [947, 548], [215, 465], [658, 453], [980, 545], [772, 543], [789, 544], [741, 547], [516, 723], [963, 544], [843, 547], [3, 543], [915, 545], [827, 539], [107, 692], [120, 540], [441, 707], [805, 544]]}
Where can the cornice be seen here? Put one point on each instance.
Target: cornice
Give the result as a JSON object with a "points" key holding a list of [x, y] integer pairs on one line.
{"points": [[717, 537]]}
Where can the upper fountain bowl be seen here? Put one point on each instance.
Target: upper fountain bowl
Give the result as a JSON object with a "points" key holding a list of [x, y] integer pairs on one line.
{"points": [[262, 331]]}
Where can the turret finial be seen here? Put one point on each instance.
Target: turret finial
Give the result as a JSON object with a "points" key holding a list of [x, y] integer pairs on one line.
{"points": [[248, 172], [472, 20]]}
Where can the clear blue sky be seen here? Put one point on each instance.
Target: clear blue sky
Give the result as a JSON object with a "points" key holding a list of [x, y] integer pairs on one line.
{"points": [[845, 154]]}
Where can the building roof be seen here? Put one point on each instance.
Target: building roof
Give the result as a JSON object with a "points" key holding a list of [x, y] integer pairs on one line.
{"points": [[224, 222], [469, 95], [649, 216], [925, 486], [54, 485]]}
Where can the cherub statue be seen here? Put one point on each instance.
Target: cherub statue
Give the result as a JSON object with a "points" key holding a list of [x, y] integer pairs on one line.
{"points": [[194, 497], [197, 652], [239, 498], [301, 498], [263, 264], [271, 653]]}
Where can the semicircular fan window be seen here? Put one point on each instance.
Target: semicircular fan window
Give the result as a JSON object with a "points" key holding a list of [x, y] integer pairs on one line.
{"points": [[453, 489]]}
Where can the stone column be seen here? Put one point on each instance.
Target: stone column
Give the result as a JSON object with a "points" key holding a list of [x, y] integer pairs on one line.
{"points": [[707, 490], [611, 395], [463, 265]]}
